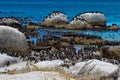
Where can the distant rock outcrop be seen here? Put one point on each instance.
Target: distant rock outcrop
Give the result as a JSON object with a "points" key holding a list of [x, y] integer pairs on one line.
{"points": [[113, 27], [95, 69], [55, 19], [88, 20], [12, 39], [10, 22]]}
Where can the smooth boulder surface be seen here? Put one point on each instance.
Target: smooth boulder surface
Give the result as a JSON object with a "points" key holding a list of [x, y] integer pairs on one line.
{"points": [[55, 19], [88, 20], [94, 68], [28, 66], [13, 40], [6, 60], [94, 18], [49, 65], [36, 75]]}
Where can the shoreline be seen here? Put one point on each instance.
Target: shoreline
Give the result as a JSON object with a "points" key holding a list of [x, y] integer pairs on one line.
{"points": [[85, 29], [44, 47]]}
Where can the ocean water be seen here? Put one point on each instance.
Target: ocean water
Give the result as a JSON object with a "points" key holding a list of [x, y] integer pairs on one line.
{"points": [[39, 10], [106, 35]]}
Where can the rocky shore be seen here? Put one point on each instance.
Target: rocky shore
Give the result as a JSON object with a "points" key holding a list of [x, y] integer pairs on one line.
{"points": [[44, 50], [83, 21]]}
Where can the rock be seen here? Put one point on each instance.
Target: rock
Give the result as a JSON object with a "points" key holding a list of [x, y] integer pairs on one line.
{"points": [[10, 22], [12, 40], [95, 69], [114, 51], [64, 44], [28, 66], [55, 19], [88, 20], [32, 26], [36, 75], [54, 50], [6, 60], [52, 42], [94, 18], [69, 40], [113, 27], [78, 23], [97, 53], [50, 65]]}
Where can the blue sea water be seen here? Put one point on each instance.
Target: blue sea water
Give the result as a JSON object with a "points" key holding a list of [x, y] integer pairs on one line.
{"points": [[39, 10]]}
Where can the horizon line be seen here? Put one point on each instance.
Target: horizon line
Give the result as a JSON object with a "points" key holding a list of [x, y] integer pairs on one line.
{"points": [[54, 1]]}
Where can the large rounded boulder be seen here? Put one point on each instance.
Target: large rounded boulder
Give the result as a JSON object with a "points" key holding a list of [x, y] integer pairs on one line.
{"points": [[10, 22], [12, 40], [88, 20], [94, 70], [55, 19], [94, 18]]}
